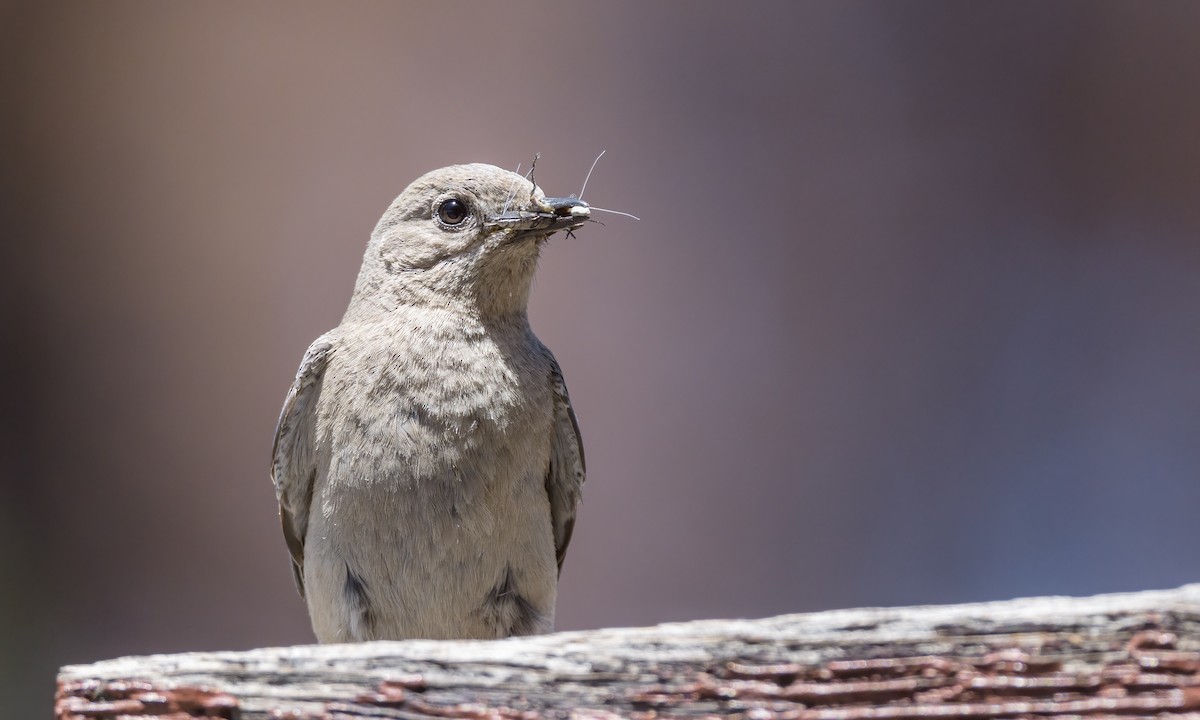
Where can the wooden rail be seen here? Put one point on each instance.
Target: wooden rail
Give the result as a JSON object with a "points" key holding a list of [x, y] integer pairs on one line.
{"points": [[1123, 655]]}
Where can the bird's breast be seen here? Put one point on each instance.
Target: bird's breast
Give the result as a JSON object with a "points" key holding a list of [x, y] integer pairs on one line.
{"points": [[432, 400]]}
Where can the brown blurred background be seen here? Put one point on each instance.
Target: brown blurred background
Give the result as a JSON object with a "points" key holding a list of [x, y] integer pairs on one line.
{"points": [[912, 314]]}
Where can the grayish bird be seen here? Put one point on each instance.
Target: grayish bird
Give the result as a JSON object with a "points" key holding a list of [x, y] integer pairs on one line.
{"points": [[427, 461]]}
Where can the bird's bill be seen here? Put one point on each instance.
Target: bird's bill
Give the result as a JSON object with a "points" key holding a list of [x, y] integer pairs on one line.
{"points": [[550, 215]]}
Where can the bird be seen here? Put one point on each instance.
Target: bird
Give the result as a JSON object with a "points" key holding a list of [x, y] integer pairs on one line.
{"points": [[427, 461]]}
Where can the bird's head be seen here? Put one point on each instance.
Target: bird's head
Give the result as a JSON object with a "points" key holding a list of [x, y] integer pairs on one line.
{"points": [[466, 234]]}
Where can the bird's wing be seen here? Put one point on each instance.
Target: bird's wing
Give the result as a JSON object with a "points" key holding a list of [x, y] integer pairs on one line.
{"points": [[294, 457], [564, 480]]}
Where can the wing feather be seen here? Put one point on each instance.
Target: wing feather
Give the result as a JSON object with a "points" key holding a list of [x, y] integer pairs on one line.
{"points": [[293, 455], [564, 480]]}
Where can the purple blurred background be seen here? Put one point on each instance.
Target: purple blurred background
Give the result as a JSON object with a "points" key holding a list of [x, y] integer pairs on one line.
{"points": [[912, 314]]}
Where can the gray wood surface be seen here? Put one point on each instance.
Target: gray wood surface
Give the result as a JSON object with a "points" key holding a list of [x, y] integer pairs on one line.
{"points": [[1134, 654]]}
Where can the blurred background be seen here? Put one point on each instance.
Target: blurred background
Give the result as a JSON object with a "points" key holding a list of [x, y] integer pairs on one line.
{"points": [[912, 314]]}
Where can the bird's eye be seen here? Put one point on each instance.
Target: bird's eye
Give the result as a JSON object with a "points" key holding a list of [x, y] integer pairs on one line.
{"points": [[452, 211]]}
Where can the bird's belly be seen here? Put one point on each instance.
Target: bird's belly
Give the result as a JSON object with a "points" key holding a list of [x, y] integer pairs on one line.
{"points": [[436, 532]]}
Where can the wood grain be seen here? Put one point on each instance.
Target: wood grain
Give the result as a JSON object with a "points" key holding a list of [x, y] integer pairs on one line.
{"points": [[1130, 655]]}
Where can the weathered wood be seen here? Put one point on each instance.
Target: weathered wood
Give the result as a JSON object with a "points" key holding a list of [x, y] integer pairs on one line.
{"points": [[1129, 655]]}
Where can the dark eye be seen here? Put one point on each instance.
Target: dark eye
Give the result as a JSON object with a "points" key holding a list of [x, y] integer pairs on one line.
{"points": [[452, 211]]}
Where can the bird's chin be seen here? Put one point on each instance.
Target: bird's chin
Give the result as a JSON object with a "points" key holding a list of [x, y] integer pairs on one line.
{"points": [[526, 237], [516, 245]]}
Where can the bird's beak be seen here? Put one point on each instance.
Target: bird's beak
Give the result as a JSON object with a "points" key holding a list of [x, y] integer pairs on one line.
{"points": [[546, 216]]}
